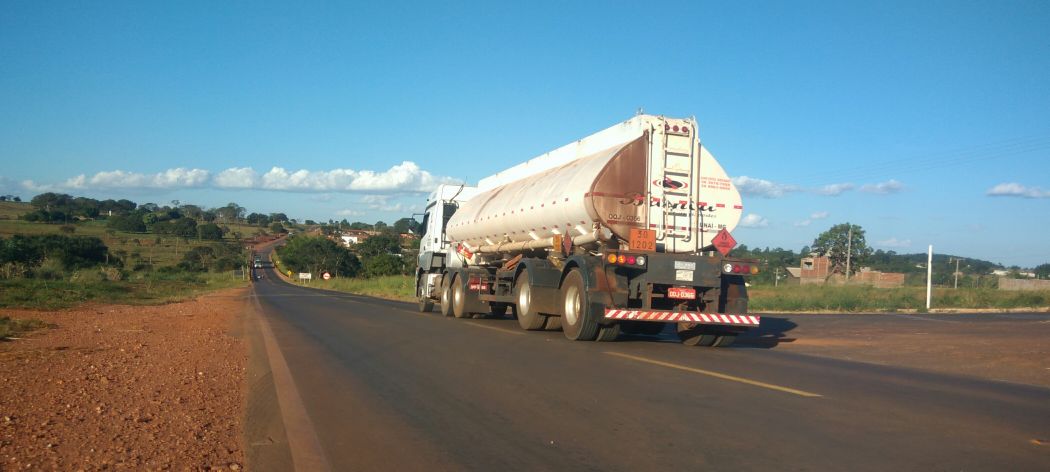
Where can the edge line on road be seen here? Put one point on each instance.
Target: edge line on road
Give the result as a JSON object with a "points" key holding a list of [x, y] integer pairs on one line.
{"points": [[718, 375], [518, 333], [303, 443]]}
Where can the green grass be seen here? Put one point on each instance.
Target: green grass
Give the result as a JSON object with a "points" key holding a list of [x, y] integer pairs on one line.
{"points": [[12, 210], [13, 327], [133, 248], [865, 298], [393, 287], [140, 289]]}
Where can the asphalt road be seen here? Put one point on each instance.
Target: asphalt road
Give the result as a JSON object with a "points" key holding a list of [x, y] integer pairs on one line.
{"points": [[374, 385]]}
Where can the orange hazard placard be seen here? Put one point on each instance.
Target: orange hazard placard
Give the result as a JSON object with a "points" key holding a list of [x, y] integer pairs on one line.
{"points": [[723, 241], [642, 240]]}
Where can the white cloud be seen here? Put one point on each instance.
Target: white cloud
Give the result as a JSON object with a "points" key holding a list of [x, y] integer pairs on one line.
{"points": [[835, 189], [349, 212], [404, 177], [172, 178], [761, 187], [883, 188], [1017, 190], [820, 215], [753, 220], [237, 177], [894, 243]]}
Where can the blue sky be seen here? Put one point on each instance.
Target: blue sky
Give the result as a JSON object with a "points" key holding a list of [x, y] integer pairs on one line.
{"points": [[924, 122]]}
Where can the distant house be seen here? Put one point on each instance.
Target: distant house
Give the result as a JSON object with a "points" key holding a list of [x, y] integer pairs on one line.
{"points": [[355, 236], [817, 270]]}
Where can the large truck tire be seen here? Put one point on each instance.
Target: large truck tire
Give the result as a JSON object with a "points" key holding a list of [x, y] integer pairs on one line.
{"points": [[528, 317], [425, 304], [608, 333], [497, 310], [553, 323], [446, 295], [725, 340], [696, 335], [459, 298], [579, 320]]}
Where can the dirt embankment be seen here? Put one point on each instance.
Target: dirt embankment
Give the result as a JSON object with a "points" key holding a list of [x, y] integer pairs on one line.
{"points": [[154, 387]]}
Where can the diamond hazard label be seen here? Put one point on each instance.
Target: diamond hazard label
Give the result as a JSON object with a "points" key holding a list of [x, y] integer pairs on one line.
{"points": [[724, 242]]}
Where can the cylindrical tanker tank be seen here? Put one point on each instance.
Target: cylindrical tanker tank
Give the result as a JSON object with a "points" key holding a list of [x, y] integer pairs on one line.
{"points": [[566, 200]]}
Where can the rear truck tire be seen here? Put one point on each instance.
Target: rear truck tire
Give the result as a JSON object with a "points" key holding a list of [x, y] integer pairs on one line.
{"points": [[528, 318], [425, 304], [446, 295], [459, 299], [725, 340], [693, 334], [608, 333], [497, 310], [579, 320], [553, 323]]}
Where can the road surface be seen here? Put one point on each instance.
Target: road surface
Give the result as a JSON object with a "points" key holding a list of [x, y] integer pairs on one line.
{"points": [[356, 383]]}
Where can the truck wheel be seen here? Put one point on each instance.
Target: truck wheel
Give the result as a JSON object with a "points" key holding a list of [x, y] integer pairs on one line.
{"points": [[608, 333], [425, 304], [446, 296], [695, 335], [527, 317], [497, 310], [553, 323], [579, 321], [725, 340], [459, 299]]}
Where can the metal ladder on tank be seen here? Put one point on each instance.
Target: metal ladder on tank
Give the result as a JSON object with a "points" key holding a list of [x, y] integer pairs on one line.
{"points": [[690, 210]]}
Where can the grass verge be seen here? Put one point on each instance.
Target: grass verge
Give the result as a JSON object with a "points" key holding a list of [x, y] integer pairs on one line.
{"points": [[140, 289], [392, 287], [871, 299]]}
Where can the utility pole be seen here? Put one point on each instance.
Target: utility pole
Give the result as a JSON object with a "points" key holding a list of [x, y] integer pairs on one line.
{"points": [[956, 273], [776, 277], [849, 249], [929, 277]]}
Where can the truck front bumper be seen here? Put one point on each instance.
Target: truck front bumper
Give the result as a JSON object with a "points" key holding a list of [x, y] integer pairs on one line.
{"points": [[684, 317]]}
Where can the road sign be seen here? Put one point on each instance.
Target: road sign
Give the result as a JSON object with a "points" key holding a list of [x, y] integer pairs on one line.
{"points": [[723, 242], [305, 276], [326, 276]]}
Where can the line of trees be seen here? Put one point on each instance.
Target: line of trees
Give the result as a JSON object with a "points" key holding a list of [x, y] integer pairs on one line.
{"points": [[849, 239], [376, 256]]}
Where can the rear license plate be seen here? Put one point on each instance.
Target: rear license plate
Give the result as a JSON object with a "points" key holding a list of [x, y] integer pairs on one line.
{"points": [[682, 293]]}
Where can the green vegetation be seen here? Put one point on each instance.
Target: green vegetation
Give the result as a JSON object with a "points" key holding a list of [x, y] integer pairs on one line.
{"points": [[97, 286], [852, 298], [13, 327], [59, 250], [391, 287]]}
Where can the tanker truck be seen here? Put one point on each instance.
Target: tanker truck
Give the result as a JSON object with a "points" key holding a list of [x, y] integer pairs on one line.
{"points": [[627, 230]]}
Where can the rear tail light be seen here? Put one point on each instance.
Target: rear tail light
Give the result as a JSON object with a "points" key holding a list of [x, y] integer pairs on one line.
{"points": [[625, 259]]}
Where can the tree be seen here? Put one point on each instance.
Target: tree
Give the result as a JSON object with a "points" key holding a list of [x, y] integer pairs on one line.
{"points": [[315, 254], [209, 231], [130, 223], [277, 228], [1042, 271], [405, 225], [378, 245], [383, 264], [835, 243]]}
